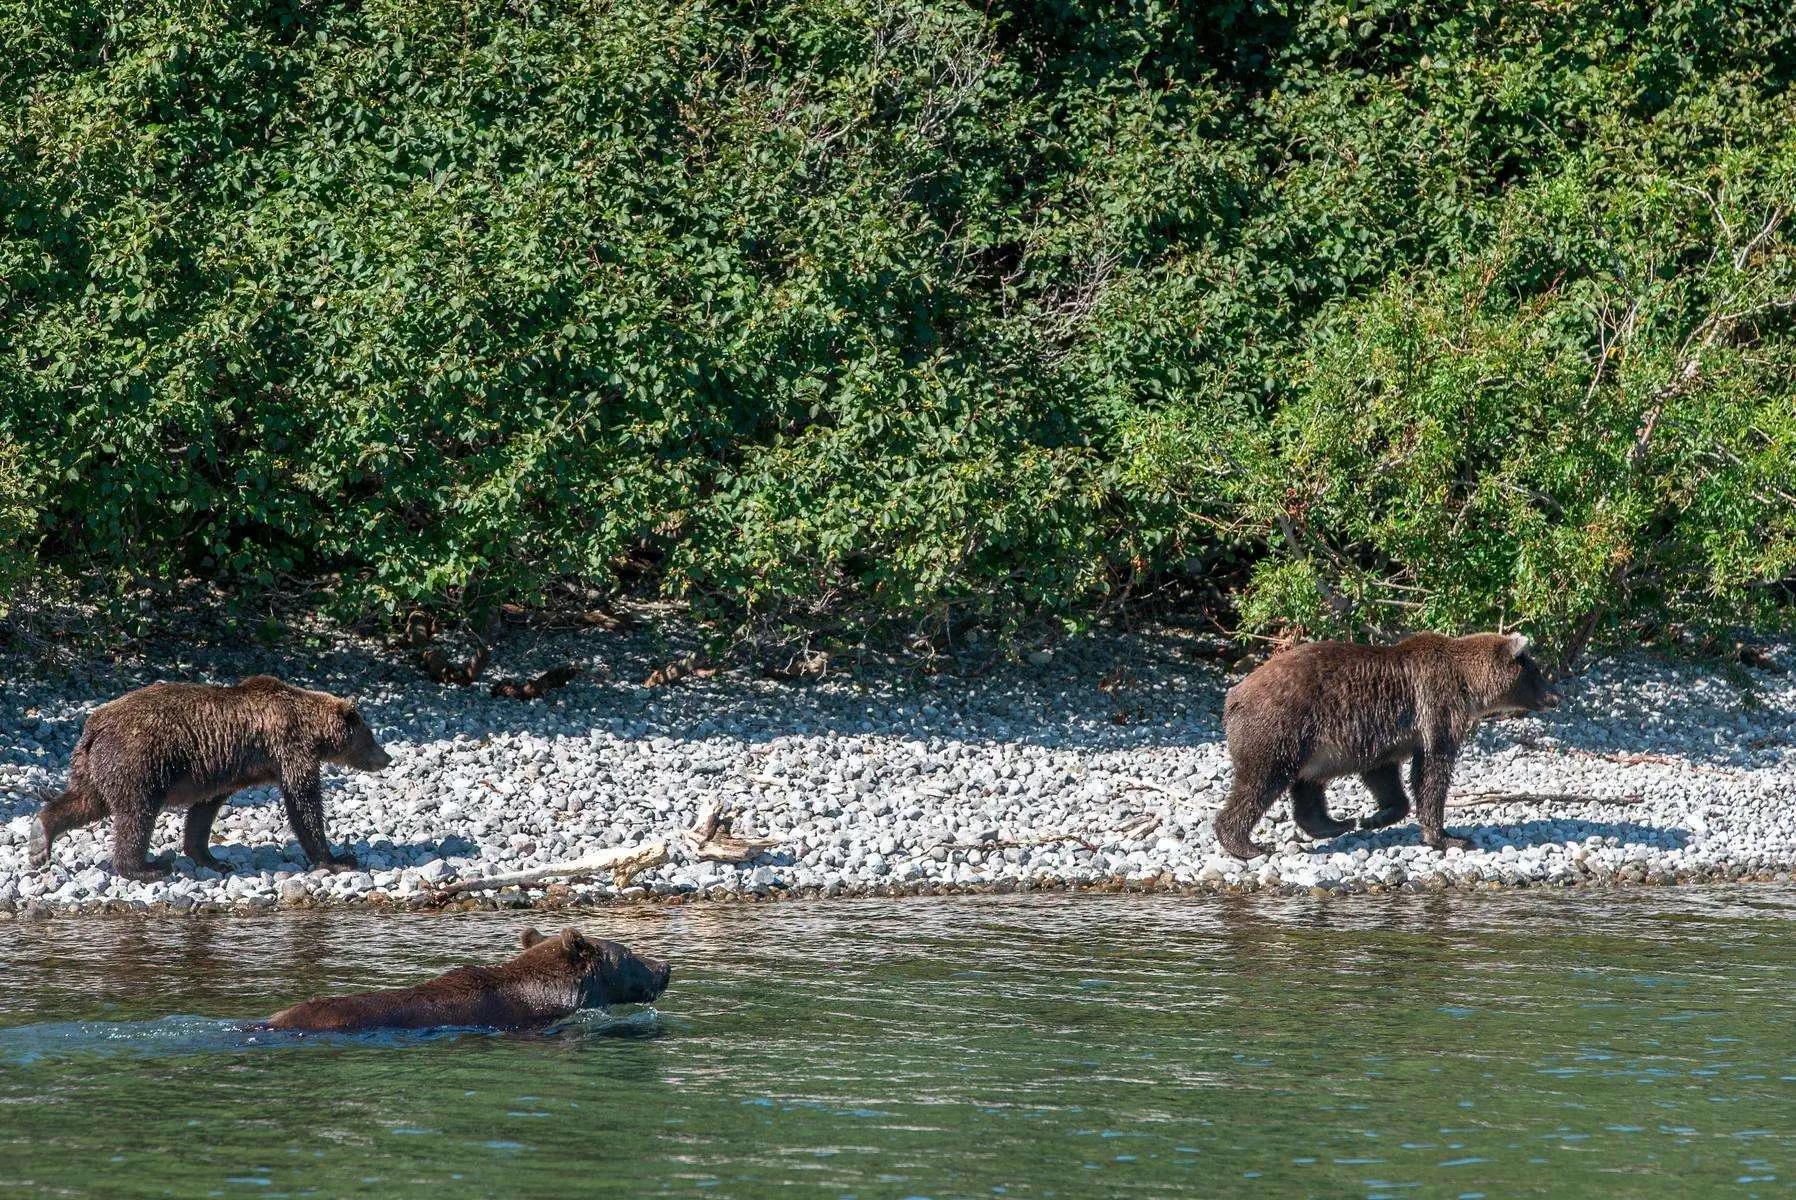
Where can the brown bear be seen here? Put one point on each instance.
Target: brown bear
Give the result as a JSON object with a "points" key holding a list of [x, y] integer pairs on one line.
{"points": [[553, 978], [188, 745], [1328, 709]]}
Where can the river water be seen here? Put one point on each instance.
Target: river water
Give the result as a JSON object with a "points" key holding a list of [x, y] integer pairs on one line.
{"points": [[1533, 1044]]}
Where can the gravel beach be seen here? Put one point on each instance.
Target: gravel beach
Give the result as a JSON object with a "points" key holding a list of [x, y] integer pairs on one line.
{"points": [[1098, 764]]}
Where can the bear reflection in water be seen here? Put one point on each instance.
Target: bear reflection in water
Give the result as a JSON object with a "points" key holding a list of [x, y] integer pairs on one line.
{"points": [[553, 978]]}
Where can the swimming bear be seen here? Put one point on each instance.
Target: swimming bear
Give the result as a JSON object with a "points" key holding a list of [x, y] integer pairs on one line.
{"points": [[1328, 709], [553, 978], [189, 745]]}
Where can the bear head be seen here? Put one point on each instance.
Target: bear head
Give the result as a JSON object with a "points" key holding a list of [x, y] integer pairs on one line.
{"points": [[1519, 683], [602, 973], [349, 742]]}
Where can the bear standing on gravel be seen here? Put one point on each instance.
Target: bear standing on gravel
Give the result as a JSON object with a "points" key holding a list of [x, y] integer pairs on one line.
{"points": [[187, 745], [1328, 709]]}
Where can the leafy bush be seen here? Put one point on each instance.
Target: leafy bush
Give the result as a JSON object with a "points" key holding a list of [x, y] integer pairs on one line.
{"points": [[909, 307], [1462, 453], [16, 526]]}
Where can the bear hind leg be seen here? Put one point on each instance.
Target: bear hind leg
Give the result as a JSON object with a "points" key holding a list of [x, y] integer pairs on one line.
{"points": [[132, 825], [70, 810], [196, 833], [1309, 808], [1249, 798], [1386, 786]]}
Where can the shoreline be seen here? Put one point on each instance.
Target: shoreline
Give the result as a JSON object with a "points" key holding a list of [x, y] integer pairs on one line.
{"points": [[508, 901], [1092, 767]]}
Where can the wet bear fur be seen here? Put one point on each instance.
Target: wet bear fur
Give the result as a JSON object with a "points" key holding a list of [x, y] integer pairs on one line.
{"points": [[1327, 709], [191, 746], [553, 978]]}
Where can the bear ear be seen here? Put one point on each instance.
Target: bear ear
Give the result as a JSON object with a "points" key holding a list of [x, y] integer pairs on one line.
{"points": [[571, 939], [529, 938], [1518, 642]]}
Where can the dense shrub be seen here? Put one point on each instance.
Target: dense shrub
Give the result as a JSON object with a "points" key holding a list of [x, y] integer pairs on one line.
{"points": [[1438, 313], [17, 516]]}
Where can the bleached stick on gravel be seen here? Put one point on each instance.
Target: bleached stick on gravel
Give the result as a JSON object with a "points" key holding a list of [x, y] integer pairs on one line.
{"points": [[1625, 758], [1140, 827], [1475, 799], [1001, 844], [708, 839], [1148, 785], [621, 861]]}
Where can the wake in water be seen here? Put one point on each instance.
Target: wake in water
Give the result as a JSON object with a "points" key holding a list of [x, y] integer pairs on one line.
{"points": [[24, 1045]]}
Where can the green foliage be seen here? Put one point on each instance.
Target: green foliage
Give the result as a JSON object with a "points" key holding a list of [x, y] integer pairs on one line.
{"points": [[1592, 414], [909, 307], [16, 525]]}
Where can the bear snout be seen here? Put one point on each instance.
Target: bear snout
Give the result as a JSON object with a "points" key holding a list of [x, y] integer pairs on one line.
{"points": [[652, 981], [659, 972], [375, 758]]}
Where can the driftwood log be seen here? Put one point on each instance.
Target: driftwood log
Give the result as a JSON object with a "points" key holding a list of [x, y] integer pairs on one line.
{"points": [[443, 669], [806, 664], [711, 839], [621, 862], [692, 666], [533, 689]]}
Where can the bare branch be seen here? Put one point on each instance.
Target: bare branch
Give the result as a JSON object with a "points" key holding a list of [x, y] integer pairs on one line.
{"points": [[1477, 798], [1745, 252]]}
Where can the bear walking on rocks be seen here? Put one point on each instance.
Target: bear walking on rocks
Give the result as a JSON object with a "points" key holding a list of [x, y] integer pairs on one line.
{"points": [[1327, 709], [553, 978], [190, 746]]}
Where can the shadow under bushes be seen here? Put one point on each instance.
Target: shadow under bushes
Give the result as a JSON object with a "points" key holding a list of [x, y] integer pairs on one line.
{"points": [[1159, 689]]}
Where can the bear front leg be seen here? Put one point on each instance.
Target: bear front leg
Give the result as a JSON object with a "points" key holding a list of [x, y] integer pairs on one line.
{"points": [[305, 812], [196, 834], [1431, 798]]}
